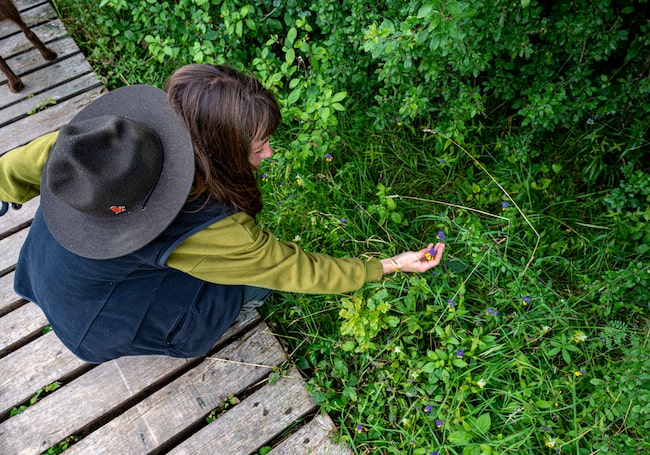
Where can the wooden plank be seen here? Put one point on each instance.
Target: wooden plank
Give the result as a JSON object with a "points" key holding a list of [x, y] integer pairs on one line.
{"points": [[22, 5], [88, 398], [253, 422], [49, 97], [8, 298], [315, 438], [32, 367], [32, 60], [10, 247], [17, 44], [24, 323], [16, 219], [29, 128], [31, 16], [151, 424]]}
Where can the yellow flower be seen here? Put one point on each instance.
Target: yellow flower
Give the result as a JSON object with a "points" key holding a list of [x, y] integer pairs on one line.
{"points": [[550, 443], [579, 336]]}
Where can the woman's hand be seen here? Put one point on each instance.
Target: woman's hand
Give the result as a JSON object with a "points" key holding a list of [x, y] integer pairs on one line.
{"points": [[415, 261]]}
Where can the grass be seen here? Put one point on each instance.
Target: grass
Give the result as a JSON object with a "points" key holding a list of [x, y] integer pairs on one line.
{"points": [[532, 337], [530, 370]]}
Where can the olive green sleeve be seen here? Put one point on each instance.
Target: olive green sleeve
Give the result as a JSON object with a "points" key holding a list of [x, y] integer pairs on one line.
{"points": [[22, 167], [236, 251]]}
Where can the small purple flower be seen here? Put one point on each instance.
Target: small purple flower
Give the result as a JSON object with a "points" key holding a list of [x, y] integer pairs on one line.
{"points": [[460, 353], [360, 428], [434, 453], [554, 417], [526, 300], [439, 423], [329, 157], [428, 408], [265, 177], [281, 183], [430, 255], [344, 221], [491, 312], [504, 205], [544, 429], [451, 303], [441, 236], [443, 162]]}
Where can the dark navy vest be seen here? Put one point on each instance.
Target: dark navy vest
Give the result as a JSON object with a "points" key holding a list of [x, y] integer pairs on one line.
{"points": [[130, 305]]}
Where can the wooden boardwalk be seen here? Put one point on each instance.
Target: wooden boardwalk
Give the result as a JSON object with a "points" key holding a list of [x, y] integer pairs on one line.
{"points": [[241, 397]]}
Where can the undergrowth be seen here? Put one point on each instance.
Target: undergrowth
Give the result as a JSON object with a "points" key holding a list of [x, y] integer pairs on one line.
{"points": [[516, 131]]}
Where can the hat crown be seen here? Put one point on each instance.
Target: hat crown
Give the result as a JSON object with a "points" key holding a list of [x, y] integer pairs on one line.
{"points": [[104, 163]]}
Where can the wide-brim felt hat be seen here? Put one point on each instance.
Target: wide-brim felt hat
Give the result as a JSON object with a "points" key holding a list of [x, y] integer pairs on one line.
{"points": [[118, 174]]}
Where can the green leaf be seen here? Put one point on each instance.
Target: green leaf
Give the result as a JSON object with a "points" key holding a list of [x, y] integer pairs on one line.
{"points": [[459, 363], [483, 423], [460, 438], [291, 37], [429, 367], [456, 266], [325, 114], [392, 321], [293, 96], [525, 3], [340, 96], [425, 11], [543, 404], [290, 55]]}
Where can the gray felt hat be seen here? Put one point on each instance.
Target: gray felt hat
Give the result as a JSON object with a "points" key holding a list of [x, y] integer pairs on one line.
{"points": [[118, 174]]}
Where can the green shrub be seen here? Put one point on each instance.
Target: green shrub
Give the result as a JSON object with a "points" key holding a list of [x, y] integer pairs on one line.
{"points": [[518, 129]]}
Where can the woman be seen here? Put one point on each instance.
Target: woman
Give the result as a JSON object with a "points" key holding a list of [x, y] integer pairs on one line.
{"points": [[145, 241]]}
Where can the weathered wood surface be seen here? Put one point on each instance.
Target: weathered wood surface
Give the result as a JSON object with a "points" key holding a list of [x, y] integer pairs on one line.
{"points": [[54, 91], [133, 405], [254, 421], [104, 390], [185, 403], [314, 438]]}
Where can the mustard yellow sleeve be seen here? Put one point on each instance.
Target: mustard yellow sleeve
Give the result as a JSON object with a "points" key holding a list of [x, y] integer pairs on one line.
{"points": [[22, 167], [236, 251]]}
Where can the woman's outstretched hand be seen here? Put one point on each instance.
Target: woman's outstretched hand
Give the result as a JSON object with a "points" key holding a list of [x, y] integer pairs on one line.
{"points": [[415, 261]]}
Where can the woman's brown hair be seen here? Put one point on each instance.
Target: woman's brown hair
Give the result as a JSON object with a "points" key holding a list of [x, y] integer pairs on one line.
{"points": [[225, 112]]}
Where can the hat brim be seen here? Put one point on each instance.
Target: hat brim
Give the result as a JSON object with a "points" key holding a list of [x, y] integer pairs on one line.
{"points": [[127, 232]]}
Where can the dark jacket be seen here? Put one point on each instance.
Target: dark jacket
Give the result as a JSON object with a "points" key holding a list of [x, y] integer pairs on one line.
{"points": [[130, 305]]}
